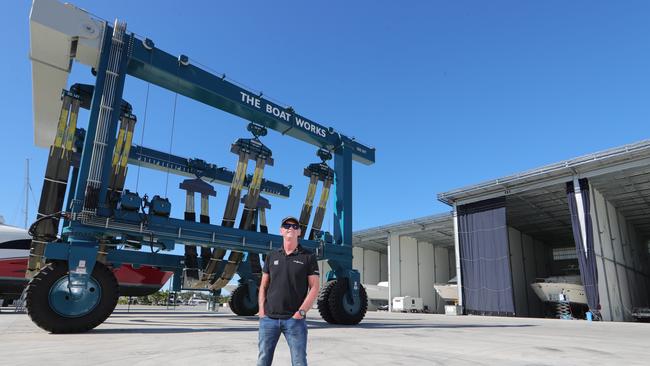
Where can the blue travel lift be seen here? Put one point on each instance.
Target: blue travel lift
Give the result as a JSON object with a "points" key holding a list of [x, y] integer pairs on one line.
{"points": [[73, 289]]}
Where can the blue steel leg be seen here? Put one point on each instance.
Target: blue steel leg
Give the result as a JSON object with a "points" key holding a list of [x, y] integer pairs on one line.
{"points": [[343, 198], [343, 220], [82, 256], [86, 154]]}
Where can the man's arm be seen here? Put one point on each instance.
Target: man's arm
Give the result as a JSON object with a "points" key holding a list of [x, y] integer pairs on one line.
{"points": [[261, 297], [311, 295]]}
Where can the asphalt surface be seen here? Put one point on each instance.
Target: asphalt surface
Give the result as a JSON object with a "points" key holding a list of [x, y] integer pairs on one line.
{"points": [[192, 336]]}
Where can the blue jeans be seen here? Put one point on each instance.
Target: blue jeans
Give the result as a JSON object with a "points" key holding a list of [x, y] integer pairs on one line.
{"points": [[295, 332]]}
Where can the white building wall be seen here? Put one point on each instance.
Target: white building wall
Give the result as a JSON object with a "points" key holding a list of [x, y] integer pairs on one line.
{"points": [[394, 268], [409, 267], [367, 262], [442, 273], [426, 274], [383, 267], [357, 262], [622, 266], [371, 267], [414, 268]]}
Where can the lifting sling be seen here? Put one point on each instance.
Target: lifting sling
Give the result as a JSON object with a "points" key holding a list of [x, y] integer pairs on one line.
{"points": [[55, 182], [246, 149], [316, 172], [121, 154], [260, 217], [262, 156], [192, 186]]}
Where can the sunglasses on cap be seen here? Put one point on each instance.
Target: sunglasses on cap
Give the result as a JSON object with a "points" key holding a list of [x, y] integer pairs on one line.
{"points": [[288, 226]]}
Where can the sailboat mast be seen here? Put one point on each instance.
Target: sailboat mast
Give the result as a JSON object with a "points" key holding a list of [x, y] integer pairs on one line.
{"points": [[26, 192]]}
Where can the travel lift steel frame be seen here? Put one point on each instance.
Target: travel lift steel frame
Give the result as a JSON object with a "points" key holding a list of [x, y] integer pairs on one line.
{"points": [[92, 221]]}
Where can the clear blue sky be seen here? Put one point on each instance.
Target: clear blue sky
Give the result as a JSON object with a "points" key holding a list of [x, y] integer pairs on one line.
{"points": [[450, 93]]}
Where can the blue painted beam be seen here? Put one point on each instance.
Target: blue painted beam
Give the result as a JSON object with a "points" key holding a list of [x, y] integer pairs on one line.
{"points": [[118, 257], [160, 230], [158, 160], [165, 70]]}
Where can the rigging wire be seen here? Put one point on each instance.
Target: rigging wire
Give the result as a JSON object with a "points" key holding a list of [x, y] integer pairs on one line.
{"points": [[171, 141], [144, 124]]}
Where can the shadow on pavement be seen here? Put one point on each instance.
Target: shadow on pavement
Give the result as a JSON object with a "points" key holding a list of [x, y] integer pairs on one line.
{"points": [[147, 326], [417, 326]]}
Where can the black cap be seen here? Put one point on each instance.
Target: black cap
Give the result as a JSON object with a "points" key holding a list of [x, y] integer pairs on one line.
{"points": [[289, 218]]}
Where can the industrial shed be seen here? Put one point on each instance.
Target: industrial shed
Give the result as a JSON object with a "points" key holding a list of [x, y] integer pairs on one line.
{"points": [[507, 233], [411, 255], [590, 215]]}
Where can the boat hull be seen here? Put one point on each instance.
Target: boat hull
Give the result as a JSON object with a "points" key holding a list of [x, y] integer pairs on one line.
{"points": [[448, 292], [552, 291], [142, 281]]}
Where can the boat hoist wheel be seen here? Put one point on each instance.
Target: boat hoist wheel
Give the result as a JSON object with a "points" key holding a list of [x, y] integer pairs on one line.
{"points": [[240, 302], [323, 303], [51, 306], [341, 307]]}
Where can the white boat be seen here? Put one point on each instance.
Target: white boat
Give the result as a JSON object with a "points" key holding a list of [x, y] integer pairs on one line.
{"points": [[378, 291], [14, 251], [377, 295], [557, 288], [447, 291]]}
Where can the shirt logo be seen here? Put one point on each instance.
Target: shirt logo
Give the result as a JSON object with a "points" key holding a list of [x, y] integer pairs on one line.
{"points": [[299, 262], [276, 262]]}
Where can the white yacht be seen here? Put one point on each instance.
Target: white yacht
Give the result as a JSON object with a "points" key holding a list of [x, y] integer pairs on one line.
{"points": [[560, 288], [448, 291]]}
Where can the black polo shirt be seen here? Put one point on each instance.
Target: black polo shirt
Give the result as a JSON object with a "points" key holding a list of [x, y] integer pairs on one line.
{"points": [[288, 284]]}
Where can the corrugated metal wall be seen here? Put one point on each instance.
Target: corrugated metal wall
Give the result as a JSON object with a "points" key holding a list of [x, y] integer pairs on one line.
{"points": [[371, 264], [415, 266], [622, 261], [528, 262]]}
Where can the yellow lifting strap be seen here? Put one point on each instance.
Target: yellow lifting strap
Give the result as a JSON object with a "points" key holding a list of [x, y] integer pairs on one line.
{"points": [[117, 152], [305, 213], [232, 206], [63, 121], [320, 210], [72, 125], [127, 143], [253, 194], [235, 258]]}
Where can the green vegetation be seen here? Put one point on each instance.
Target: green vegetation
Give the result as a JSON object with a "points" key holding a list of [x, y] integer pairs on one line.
{"points": [[160, 298]]}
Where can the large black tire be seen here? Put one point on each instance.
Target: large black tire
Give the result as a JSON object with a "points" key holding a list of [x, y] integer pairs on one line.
{"points": [[323, 303], [40, 309], [241, 304], [343, 311], [233, 304]]}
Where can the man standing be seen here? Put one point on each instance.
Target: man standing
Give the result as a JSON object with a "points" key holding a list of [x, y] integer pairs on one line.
{"points": [[288, 289]]}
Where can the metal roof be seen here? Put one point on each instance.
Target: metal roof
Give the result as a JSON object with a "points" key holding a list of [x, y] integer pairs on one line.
{"points": [[586, 166], [436, 229], [536, 200]]}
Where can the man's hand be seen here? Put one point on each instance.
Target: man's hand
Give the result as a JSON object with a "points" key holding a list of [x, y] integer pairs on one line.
{"points": [[297, 315], [261, 297]]}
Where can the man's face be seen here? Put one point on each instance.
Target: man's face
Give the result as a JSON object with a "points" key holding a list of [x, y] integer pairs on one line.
{"points": [[288, 229]]}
